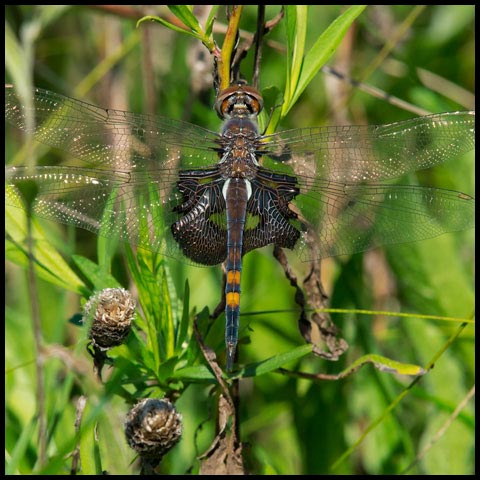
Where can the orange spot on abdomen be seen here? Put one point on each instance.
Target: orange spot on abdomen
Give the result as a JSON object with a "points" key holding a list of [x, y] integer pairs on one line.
{"points": [[233, 277], [233, 299]]}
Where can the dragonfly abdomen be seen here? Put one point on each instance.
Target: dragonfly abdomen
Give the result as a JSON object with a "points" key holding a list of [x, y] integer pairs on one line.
{"points": [[236, 192]]}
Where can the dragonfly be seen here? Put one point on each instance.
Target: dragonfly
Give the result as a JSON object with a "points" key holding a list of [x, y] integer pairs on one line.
{"points": [[210, 198]]}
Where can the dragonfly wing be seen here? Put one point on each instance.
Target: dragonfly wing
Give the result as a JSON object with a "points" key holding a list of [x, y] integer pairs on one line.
{"points": [[132, 206], [340, 219], [110, 139], [355, 154], [127, 185], [340, 209]]}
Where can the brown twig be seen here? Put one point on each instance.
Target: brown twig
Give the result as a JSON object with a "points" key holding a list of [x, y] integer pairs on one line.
{"points": [[258, 45], [211, 359], [79, 409], [224, 456], [327, 331]]}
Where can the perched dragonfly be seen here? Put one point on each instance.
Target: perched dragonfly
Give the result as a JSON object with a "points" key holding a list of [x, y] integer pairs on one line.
{"points": [[208, 198]]}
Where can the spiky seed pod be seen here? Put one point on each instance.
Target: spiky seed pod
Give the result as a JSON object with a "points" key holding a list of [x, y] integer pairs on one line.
{"points": [[153, 427], [113, 310]]}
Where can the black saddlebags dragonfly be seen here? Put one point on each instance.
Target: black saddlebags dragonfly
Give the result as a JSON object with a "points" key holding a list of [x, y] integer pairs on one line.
{"points": [[210, 198]]}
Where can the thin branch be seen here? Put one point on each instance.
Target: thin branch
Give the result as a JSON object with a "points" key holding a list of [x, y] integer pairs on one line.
{"points": [[225, 453], [258, 44], [229, 42], [441, 431], [79, 409]]}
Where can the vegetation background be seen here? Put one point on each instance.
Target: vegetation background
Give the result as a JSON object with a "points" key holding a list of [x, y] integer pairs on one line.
{"points": [[291, 425]]}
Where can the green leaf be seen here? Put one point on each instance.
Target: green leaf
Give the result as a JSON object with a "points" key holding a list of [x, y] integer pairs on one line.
{"points": [[290, 23], [96, 274], [21, 447], [166, 369], [184, 13], [49, 264], [210, 21], [296, 17], [89, 448], [272, 363], [384, 364], [195, 374], [273, 99], [171, 26], [182, 330], [16, 62], [106, 242], [322, 50], [167, 327]]}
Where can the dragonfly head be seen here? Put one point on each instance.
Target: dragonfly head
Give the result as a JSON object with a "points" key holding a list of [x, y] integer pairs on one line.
{"points": [[239, 101]]}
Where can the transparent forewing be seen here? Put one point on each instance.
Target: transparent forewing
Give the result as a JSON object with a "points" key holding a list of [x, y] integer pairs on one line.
{"points": [[341, 219], [133, 207], [354, 154], [128, 186], [111, 139]]}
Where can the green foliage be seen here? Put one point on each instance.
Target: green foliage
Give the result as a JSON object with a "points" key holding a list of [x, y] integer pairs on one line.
{"points": [[301, 66], [50, 264], [368, 422], [184, 14]]}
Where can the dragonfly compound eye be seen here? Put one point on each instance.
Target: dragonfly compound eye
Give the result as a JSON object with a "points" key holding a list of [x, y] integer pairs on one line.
{"points": [[239, 101]]}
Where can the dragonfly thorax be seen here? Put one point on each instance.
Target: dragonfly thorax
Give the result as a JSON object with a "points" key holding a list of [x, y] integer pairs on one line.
{"points": [[239, 142]]}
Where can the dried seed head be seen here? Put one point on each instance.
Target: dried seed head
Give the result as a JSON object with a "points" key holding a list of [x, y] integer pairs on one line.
{"points": [[153, 427], [112, 310]]}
